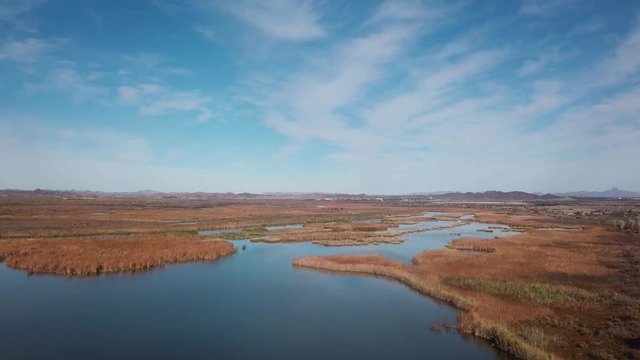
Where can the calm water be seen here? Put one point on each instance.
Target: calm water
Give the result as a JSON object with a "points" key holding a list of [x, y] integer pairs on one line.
{"points": [[253, 304], [217, 232], [284, 227]]}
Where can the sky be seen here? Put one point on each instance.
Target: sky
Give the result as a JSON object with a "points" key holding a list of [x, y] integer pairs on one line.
{"points": [[378, 97]]}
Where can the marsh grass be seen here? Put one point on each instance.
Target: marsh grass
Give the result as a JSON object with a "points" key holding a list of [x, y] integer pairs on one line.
{"points": [[507, 340], [175, 232], [91, 256], [528, 291], [535, 336], [244, 234], [59, 234]]}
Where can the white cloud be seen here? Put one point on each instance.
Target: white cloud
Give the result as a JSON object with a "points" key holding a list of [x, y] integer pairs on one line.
{"points": [[11, 9], [533, 66], [26, 50], [106, 144], [544, 7], [68, 79], [452, 116], [171, 102], [294, 20], [305, 107], [22, 134], [588, 27], [430, 90], [157, 100], [65, 78], [128, 94], [625, 61], [546, 96], [155, 64], [404, 10], [463, 44], [131, 94], [308, 105], [545, 59], [608, 111]]}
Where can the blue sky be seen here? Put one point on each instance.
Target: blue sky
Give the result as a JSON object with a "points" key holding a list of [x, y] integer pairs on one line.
{"points": [[336, 96]]}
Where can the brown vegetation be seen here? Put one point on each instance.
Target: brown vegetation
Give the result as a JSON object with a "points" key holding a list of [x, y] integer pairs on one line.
{"points": [[60, 217], [88, 236], [91, 256], [546, 293]]}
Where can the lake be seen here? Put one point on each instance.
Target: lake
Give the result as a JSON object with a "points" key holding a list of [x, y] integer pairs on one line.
{"points": [[254, 304]]}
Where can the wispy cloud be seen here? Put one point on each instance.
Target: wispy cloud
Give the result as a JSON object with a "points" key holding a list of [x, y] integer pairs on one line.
{"points": [[312, 104], [10, 9], [293, 20], [154, 100], [545, 7], [121, 147], [548, 58], [49, 141], [465, 43], [66, 78], [625, 61], [154, 63], [589, 27], [305, 108], [131, 94], [26, 50], [405, 10], [451, 107]]}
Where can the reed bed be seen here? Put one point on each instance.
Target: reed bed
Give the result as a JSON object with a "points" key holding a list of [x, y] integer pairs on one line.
{"points": [[523, 290], [90, 256]]}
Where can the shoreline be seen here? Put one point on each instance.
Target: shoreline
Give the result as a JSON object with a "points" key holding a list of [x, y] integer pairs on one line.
{"points": [[505, 340], [534, 295]]}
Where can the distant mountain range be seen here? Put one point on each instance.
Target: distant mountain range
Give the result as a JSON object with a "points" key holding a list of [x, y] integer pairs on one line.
{"points": [[440, 195], [521, 195], [494, 196], [611, 193]]}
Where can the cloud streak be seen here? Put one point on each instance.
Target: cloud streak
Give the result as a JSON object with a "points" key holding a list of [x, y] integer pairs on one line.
{"points": [[26, 50], [290, 20]]}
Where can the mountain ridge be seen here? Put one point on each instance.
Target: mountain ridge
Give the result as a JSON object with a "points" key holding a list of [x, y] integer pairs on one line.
{"points": [[611, 193]]}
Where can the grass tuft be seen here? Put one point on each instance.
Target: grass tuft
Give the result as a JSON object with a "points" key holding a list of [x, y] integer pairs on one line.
{"points": [[529, 291], [244, 234]]}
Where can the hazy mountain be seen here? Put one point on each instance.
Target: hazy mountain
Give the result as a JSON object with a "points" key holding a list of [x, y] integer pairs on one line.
{"points": [[611, 193], [433, 193], [495, 196]]}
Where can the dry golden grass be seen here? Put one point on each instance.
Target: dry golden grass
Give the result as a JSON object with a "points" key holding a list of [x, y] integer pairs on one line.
{"points": [[91, 256], [80, 236], [370, 226], [58, 217]]}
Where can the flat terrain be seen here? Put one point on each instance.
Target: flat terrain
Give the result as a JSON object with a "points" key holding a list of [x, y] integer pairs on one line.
{"points": [[88, 236], [568, 286]]}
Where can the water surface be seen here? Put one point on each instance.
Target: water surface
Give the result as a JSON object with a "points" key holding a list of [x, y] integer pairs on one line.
{"points": [[251, 305], [284, 227]]}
